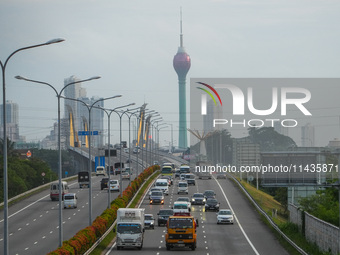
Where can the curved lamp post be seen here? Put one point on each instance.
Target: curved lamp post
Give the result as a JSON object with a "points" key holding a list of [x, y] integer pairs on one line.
{"points": [[58, 94], [120, 114], [5, 177], [89, 108], [108, 113]]}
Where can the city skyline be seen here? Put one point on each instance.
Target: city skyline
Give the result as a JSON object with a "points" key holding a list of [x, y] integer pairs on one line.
{"points": [[132, 45]]}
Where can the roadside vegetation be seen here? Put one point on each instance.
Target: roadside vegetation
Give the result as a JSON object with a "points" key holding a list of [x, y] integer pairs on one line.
{"points": [[269, 204], [23, 174]]}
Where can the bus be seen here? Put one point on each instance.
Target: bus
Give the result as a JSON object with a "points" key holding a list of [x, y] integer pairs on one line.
{"points": [[166, 170]]}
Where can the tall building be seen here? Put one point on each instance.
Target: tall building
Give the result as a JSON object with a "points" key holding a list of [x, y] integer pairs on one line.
{"points": [[12, 121], [307, 135], [213, 112], [182, 63]]}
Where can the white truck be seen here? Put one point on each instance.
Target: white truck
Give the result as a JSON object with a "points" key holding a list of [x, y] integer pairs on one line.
{"points": [[130, 228]]}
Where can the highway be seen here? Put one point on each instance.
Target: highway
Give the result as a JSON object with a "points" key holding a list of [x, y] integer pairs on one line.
{"points": [[248, 235], [34, 221]]}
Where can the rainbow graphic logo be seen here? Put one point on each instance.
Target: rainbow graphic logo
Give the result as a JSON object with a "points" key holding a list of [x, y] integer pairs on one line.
{"points": [[209, 93]]}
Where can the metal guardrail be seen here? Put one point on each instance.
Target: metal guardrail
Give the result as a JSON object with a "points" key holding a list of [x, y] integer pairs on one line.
{"points": [[36, 189], [299, 249]]}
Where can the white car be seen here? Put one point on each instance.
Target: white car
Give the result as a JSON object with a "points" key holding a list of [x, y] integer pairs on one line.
{"points": [[185, 199], [183, 187], [70, 200], [225, 216], [114, 185]]}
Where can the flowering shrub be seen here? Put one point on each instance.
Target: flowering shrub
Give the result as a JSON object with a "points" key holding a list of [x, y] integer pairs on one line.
{"points": [[85, 238]]}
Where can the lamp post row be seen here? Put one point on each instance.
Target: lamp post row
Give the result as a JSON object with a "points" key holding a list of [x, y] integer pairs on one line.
{"points": [[4, 116], [59, 96]]}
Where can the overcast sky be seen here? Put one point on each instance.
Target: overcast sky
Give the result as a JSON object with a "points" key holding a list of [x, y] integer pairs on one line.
{"points": [[131, 44]]}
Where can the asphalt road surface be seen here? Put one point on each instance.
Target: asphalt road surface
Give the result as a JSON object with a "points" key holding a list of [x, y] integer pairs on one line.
{"points": [[248, 235]]}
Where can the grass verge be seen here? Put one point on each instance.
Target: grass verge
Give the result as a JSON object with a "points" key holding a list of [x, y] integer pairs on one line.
{"points": [[267, 203]]}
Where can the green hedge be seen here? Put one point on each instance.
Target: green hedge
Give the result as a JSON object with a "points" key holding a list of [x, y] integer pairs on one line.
{"points": [[85, 238]]}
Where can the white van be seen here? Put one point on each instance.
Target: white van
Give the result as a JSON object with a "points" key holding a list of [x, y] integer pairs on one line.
{"points": [[100, 170], [183, 187], [70, 200], [54, 190], [162, 184]]}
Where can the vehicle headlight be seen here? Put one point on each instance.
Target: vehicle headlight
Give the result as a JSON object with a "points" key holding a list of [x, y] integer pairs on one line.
{"points": [[139, 239], [204, 199], [193, 200]]}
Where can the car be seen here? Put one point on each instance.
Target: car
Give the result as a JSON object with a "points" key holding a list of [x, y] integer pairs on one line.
{"points": [[100, 170], [129, 161], [182, 187], [136, 150], [209, 194], [70, 200], [103, 183], [177, 173], [169, 178], [157, 197], [182, 176], [190, 178], [181, 208], [125, 175], [163, 216], [149, 221], [212, 205], [154, 189], [221, 176], [114, 185], [198, 199], [163, 184], [185, 199], [225, 216], [126, 150]]}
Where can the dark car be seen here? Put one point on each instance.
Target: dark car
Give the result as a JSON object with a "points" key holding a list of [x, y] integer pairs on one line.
{"points": [[177, 173], [103, 183], [163, 216], [157, 197], [212, 205], [169, 178], [209, 194], [198, 199]]}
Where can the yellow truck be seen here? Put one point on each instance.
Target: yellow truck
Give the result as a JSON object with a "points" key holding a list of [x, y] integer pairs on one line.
{"points": [[181, 232]]}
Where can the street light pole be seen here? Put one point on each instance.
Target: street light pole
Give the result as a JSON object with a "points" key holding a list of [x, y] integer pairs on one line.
{"points": [[58, 94], [89, 108], [4, 116]]}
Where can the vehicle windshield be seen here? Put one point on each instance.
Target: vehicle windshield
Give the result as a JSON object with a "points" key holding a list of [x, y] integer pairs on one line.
{"points": [[148, 217], [166, 170], [209, 193], [162, 184], [212, 202], [180, 206], [189, 176], [166, 212], [225, 213], [198, 195], [129, 228], [184, 169], [186, 199], [68, 197], [182, 184], [156, 193], [113, 182], [180, 223]]}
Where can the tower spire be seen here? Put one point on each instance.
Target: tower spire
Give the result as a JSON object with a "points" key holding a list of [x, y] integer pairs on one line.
{"points": [[181, 34]]}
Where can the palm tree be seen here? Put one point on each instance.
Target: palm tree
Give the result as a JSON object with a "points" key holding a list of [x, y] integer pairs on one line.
{"points": [[10, 147]]}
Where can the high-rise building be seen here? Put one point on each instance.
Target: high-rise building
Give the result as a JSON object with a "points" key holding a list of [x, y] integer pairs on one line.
{"points": [[182, 63], [307, 135], [12, 121], [213, 112]]}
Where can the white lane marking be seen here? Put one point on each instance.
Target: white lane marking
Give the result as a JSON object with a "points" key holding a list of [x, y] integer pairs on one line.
{"points": [[238, 223]]}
